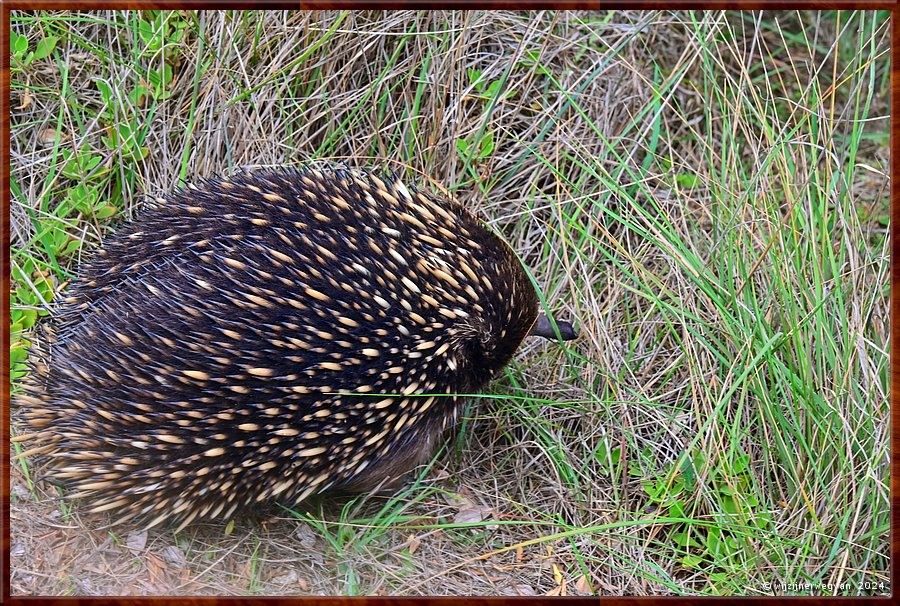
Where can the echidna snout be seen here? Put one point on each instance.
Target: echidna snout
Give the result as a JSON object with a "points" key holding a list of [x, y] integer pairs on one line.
{"points": [[544, 328], [270, 336]]}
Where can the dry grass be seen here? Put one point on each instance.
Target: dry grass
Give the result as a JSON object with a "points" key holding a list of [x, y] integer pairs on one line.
{"points": [[704, 194]]}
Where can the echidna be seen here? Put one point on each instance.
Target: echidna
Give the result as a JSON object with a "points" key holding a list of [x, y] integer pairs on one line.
{"points": [[270, 336]]}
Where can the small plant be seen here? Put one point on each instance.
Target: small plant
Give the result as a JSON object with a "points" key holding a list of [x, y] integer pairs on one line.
{"points": [[18, 48], [726, 544], [161, 32], [532, 61], [475, 147], [487, 90], [128, 138], [480, 144], [32, 291]]}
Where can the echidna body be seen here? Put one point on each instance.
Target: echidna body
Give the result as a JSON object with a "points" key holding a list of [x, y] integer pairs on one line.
{"points": [[267, 337]]}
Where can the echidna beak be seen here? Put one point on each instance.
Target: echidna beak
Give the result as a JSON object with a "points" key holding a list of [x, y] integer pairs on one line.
{"points": [[544, 328]]}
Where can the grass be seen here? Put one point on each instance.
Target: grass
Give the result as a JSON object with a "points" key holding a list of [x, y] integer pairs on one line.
{"points": [[706, 194]]}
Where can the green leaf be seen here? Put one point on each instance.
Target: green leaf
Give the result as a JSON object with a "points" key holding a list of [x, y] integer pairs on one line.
{"points": [[616, 454], [26, 268], [136, 96], [105, 92], [17, 357], [687, 180], [106, 211], [653, 489], [487, 145], [159, 81], [18, 354], [78, 165], [82, 198], [18, 45], [713, 541], [763, 520], [24, 296], [41, 294], [741, 464], [70, 247], [475, 78], [493, 88], [608, 459], [687, 472], [729, 505], [45, 47], [732, 546], [145, 31], [27, 319], [684, 539]]}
